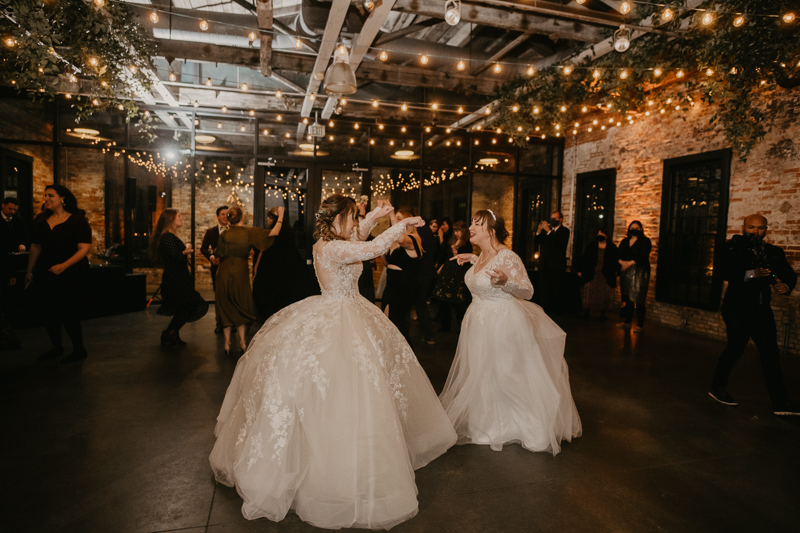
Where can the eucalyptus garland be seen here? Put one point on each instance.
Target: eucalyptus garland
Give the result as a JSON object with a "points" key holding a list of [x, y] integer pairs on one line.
{"points": [[719, 63], [92, 51]]}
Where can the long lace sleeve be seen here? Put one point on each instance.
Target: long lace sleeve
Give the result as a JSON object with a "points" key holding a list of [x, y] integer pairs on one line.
{"points": [[355, 251], [518, 284], [366, 225]]}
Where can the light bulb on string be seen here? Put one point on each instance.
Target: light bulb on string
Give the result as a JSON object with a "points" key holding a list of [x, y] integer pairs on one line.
{"points": [[369, 5], [708, 18], [596, 74], [515, 108], [739, 21], [497, 68], [251, 36], [625, 8], [584, 109], [427, 129], [623, 74], [460, 109], [788, 18], [154, 17], [461, 65], [172, 75], [581, 2], [657, 72], [434, 106], [487, 111], [667, 15], [567, 70], [622, 39], [535, 110], [298, 44], [383, 56], [531, 71], [196, 104], [680, 74], [204, 25], [423, 59], [709, 72], [224, 109], [244, 86]]}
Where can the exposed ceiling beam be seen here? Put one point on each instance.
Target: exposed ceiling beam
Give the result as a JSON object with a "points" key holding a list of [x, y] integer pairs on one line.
{"points": [[329, 38], [500, 54], [368, 71], [593, 51], [265, 23], [516, 20], [287, 83], [408, 30], [370, 30]]}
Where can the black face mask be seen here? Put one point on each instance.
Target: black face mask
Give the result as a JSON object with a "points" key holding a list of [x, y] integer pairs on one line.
{"points": [[601, 238], [553, 222], [633, 232]]}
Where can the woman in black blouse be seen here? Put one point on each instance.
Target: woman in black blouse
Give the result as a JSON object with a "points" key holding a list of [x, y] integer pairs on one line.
{"points": [[61, 240], [634, 278], [178, 297]]}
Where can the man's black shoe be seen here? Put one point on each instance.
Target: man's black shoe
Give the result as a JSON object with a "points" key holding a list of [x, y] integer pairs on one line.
{"points": [[787, 409], [722, 396], [55, 353]]}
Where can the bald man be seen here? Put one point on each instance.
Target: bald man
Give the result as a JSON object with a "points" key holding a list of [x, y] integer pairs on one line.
{"points": [[754, 271]]}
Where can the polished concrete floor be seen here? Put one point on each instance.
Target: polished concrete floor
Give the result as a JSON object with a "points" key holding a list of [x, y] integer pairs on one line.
{"points": [[121, 443]]}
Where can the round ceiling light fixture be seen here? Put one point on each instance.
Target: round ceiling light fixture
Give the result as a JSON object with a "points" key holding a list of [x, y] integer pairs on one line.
{"points": [[452, 12]]}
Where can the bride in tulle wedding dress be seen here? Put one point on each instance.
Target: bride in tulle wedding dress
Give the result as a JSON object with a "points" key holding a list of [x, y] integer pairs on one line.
{"points": [[329, 412], [509, 382]]}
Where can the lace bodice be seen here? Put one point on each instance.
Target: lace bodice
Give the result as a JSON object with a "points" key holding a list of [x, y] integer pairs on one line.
{"points": [[338, 263], [517, 286]]}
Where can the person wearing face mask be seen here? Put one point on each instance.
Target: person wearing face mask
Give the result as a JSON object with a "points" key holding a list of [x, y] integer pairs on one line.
{"points": [[754, 271], [597, 270], [552, 239], [634, 279]]}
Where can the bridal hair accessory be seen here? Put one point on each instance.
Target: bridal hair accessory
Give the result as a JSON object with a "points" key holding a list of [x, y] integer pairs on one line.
{"points": [[492, 213], [321, 213]]}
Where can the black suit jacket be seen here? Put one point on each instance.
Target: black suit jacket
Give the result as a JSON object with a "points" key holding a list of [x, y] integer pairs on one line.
{"points": [[210, 240], [553, 249], [744, 294], [12, 234]]}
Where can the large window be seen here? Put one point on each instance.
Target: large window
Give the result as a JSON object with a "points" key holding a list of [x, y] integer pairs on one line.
{"points": [[694, 211]]}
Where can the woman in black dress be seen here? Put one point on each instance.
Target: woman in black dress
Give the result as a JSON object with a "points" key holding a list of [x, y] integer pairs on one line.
{"points": [[450, 289], [597, 270], [282, 277], [61, 240], [634, 278], [401, 275], [178, 297]]}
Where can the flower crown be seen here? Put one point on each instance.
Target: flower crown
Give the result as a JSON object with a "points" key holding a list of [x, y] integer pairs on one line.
{"points": [[322, 213]]}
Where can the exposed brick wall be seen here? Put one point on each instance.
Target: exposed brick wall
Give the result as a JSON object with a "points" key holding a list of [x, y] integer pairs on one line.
{"points": [[767, 183], [83, 171]]}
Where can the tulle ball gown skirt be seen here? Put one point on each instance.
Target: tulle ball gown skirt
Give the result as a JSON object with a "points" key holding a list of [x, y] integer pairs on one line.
{"points": [[329, 414], [509, 382]]}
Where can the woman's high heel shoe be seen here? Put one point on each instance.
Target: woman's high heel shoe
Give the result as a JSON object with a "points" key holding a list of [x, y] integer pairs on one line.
{"points": [[227, 348]]}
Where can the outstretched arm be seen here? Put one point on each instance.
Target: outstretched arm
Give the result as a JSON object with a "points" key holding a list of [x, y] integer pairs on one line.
{"points": [[510, 276], [356, 251], [366, 225]]}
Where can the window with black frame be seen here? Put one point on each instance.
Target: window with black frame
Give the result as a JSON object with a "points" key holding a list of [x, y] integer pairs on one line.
{"points": [[694, 213]]}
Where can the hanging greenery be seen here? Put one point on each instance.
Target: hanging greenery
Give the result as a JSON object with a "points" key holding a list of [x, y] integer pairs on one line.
{"points": [[726, 62], [91, 51]]}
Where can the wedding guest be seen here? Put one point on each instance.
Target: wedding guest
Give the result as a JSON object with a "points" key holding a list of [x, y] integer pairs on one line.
{"points": [[402, 275], [178, 297], [433, 224], [210, 240], [281, 277], [13, 235], [13, 240], [429, 243], [445, 233], [233, 295], [61, 241], [552, 239], [634, 279], [509, 382], [597, 269], [450, 289]]}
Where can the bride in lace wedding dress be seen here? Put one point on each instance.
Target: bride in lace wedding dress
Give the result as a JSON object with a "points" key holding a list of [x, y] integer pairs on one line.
{"points": [[328, 412], [509, 382]]}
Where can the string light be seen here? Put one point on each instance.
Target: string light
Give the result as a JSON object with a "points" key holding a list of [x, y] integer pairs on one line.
{"points": [[596, 74], [515, 108], [383, 56], [535, 110], [380, 126], [195, 104], [680, 74], [435, 106], [423, 59], [623, 74], [625, 8], [460, 109], [738, 21], [461, 65], [298, 44], [667, 15], [252, 113], [204, 25], [251, 36], [567, 70], [224, 109], [93, 61], [709, 72], [497, 68], [279, 118], [374, 103], [708, 18], [789, 17], [356, 126], [172, 75], [563, 108], [154, 17], [531, 71], [657, 72], [244, 86], [208, 82], [404, 107]]}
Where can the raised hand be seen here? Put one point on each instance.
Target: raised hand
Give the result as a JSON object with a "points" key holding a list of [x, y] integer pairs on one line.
{"points": [[414, 221], [462, 259], [383, 209]]}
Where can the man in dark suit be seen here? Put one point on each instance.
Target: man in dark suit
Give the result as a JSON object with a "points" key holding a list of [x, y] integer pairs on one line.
{"points": [[754, 270], [552, 239], [13, 236], [210, 240], [13, 239]]}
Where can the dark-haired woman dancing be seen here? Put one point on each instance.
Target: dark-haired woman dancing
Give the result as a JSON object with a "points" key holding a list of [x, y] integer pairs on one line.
{"points": [[61, 240]]}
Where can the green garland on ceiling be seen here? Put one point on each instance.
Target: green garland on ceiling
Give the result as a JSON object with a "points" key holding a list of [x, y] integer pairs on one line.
{"points": [[93, 51], [725, 65]]}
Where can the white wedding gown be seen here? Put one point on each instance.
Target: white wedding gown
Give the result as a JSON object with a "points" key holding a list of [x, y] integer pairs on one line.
{"points": [[509, 382], [329, 412]]}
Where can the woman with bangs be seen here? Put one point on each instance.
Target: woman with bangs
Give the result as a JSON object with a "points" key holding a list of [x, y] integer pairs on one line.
{"points": [[329, 412], [509, 382]]}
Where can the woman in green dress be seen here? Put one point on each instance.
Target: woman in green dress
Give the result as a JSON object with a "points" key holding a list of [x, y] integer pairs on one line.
{"points": [[234, 297]]}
